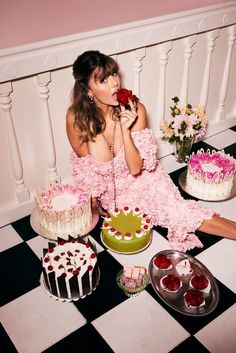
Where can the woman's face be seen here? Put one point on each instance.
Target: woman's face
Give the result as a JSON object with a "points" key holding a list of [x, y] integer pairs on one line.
{"points": [[104, 91]]}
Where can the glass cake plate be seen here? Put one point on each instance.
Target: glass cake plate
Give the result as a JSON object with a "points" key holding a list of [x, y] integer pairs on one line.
{"points": [[35, 224], [125, 252], [176, 300], [182, 183]]}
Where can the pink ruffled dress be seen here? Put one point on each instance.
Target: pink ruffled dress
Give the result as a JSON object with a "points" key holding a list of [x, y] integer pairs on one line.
{"points": [[152, 191]]}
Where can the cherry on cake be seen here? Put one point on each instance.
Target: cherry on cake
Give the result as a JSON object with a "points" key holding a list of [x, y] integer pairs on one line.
{"points": [[64, 209], [126, 230], [162, 262], [200, 282], [70, 269], [184, 268], [210, 175], [194, 299], [170, 283]]}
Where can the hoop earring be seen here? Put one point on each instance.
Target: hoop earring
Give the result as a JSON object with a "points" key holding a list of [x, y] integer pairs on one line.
{"points": [[91, 100]]}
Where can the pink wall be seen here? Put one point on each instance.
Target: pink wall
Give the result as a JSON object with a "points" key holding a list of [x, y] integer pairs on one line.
{"points": [[27, 21]]}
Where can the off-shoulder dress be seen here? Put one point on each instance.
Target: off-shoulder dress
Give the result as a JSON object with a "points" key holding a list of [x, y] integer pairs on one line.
{"points": [[152, 191]]}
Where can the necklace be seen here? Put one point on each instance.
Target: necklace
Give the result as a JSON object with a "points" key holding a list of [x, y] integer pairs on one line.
{"points": [[111, 148]]}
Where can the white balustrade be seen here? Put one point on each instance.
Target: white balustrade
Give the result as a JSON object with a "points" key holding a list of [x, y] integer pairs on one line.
{"points": [[43, 81], [188, 50], [138, 56], [212, 36], [225, 78], [22, 192], [165, 48]]}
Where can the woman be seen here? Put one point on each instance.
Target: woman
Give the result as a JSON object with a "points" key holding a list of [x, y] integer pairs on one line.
{"points": [[115, 157]]}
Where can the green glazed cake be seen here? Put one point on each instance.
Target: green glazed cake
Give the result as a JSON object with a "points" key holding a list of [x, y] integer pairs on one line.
{"points": [[126, 231]]}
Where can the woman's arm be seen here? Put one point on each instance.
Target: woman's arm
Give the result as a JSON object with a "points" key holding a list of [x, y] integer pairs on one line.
{"points": [[133, 121], [73, 134]]}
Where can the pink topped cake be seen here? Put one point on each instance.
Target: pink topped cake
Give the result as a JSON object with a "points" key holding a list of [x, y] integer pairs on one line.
{"points": [[126, 231], [64, 209], [210, 175]]}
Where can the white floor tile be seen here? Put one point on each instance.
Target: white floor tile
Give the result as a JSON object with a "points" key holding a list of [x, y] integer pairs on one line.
{"points": [[143, 258], [220, 335], [224, 208], [220, 260], [8, 238], [222, 140], [169, 164], [156, 330], [35, 321]]}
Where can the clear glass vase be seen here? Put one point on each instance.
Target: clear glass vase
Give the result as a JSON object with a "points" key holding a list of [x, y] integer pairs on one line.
{"points": [[183, 149]]}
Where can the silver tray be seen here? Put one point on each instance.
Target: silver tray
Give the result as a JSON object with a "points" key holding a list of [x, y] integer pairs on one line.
{"points": [[182, 183], [35, 224], [176, 300]]}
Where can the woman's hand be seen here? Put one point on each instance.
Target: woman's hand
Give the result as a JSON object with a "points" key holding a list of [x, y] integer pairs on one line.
{"points": [[128, 117], [97, 207]]}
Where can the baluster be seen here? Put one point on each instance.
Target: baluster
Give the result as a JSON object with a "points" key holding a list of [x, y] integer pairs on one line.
{"points": [[225, 79], [22, 192], [43, 81], [212, 36], [188, 43], [164, 57], [138, 55]]}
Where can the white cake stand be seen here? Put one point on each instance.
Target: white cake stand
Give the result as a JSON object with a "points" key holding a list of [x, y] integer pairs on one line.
{"points": [[35, 224], [183, 185]]}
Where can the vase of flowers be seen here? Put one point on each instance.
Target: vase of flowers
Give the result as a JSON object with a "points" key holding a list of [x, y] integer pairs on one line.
{"points": [[187, 125]]}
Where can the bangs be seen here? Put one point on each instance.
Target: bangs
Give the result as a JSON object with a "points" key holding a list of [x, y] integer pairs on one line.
{"points": [[106, 67]]}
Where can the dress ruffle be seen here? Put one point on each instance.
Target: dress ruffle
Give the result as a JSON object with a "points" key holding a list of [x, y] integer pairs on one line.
{"points": [[152, 191]]}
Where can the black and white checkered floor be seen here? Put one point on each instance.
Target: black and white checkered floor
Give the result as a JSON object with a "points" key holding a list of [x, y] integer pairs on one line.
{"points": [[108, 321]]}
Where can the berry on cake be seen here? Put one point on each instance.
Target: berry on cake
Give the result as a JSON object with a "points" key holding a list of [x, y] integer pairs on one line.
{"points": [[171, 283], [193, 299], [200, 282], [162, 262]]}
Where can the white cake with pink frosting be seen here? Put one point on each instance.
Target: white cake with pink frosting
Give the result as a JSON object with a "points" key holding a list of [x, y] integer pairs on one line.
{"points": [[210, 175], [63, 210]]}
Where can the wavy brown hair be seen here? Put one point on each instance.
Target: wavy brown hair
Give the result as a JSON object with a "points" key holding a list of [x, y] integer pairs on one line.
{"points": [[88, 117]]}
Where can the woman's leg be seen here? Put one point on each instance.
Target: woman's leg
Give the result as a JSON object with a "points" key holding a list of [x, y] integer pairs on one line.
{"points": [[219, 226]]}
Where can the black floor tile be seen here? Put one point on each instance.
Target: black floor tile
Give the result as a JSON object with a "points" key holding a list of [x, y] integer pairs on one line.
{"points": [[21, 273], [6, 345], [24, 229], [84, 340], [192, 345]]}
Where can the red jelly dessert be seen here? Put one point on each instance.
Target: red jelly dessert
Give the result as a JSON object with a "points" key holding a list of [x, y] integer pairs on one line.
{"points": [[199, 282], [194, 298], [162, 262], [171, 283]]}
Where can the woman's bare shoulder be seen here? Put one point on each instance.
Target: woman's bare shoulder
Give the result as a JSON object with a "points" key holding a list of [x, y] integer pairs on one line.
{"points": [[141, 121], [74, 135]]}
